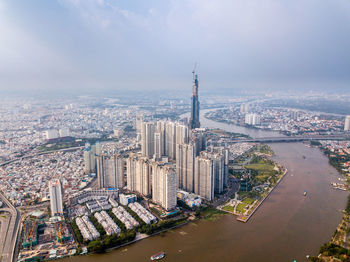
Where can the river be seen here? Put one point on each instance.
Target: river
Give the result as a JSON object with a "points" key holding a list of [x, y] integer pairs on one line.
{"points": [[287, 226]]}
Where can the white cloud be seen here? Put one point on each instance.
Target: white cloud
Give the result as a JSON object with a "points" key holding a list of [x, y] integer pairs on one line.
{"points": [[25, 59]]}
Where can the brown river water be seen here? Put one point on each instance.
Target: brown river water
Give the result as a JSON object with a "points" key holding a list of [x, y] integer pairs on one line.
{"points": [[287, 226]]}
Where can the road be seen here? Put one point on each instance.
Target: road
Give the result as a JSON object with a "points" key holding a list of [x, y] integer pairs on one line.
{"points": [[40, 153], [9, 230], [233, 188]]}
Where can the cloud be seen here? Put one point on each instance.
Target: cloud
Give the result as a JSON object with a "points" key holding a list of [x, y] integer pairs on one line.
{"points": [[27, 61], [149, 43]]}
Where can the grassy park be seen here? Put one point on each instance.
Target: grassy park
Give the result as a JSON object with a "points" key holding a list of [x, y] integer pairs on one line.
{"points": [[261, 174]]}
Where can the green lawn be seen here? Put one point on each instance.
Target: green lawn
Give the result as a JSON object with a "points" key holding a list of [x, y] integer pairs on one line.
{"points": [[261, 167], [241, 208], [228, 208], [248, 201]]}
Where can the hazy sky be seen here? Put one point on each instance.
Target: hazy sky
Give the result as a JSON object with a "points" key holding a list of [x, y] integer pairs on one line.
{"points": [[148, 44]]}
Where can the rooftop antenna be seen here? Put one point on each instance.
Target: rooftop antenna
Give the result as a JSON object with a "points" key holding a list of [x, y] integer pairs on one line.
{"points": [[194, 69]]}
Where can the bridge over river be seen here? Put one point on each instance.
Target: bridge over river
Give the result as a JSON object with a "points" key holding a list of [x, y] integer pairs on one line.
{"points": [[294, 138]]}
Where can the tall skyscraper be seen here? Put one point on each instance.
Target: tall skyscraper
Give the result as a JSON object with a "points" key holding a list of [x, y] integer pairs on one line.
{"points": [[182, 135], [147, 139], [204, 178], [244, 108], [185, 156], [164, 186], [218, 170], [89, 159], [194, 120], [252, 119], [110, 171], [347, 123], [138, 174], [56, 201], [170, 142], [158, 146], [199, 138]]}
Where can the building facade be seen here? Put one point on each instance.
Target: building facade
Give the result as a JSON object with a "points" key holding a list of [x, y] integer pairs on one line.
{"points": [[56, 197], [194, 120], [110, 171], [164, 186]]}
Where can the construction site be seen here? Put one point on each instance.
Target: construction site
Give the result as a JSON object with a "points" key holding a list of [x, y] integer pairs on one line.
{"points": [[44, 239]]}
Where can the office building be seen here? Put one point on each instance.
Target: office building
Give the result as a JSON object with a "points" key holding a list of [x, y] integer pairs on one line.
{"points": [[127, 199], [194, 120], [56, 198]]}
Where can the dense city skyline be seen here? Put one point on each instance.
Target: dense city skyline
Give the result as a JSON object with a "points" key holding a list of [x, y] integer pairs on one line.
{"points": [[107, 150]]}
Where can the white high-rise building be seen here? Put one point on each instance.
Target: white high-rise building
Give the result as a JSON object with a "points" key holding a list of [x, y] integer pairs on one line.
{"points": [[138, 174], [158, 146], [143, 176], [51, 134], [244, 108], [347, 123], [204, 177], [56, 199], [181, 134], [218, 161], [170, 140], [185, 156], [252, 119], [147, 139], [164, 186], [139, 120], [64, 132], [110, 171], [131, 172], [89, 158]]}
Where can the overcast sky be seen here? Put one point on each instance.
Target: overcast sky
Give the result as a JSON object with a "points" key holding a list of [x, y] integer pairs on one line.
{"points": [[153, 45]]}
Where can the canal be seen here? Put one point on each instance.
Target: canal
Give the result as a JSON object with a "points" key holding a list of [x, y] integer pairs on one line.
{"points": [[287, 226]]}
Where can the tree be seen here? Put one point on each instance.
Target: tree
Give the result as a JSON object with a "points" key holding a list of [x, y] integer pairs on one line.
{"points": [[96, 246]]}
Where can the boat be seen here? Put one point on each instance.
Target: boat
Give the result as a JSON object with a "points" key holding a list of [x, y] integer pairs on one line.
{"points": [[305, 193], [158, 256]]}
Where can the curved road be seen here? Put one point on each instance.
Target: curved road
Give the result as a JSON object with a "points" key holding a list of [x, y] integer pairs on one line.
{"points": [[9, 230]]}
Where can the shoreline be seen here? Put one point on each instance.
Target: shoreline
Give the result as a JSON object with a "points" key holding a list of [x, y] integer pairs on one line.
{"points": [[243, 218]]}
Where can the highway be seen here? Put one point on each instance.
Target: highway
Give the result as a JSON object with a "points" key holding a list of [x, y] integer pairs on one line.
{"points": [[40, 153], [10, 222]]}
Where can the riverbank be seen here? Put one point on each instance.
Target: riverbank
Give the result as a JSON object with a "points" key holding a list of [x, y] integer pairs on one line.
{"points": [[338, 247], [259, 176], [284, 228], [205, 213], [246, 218]]}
